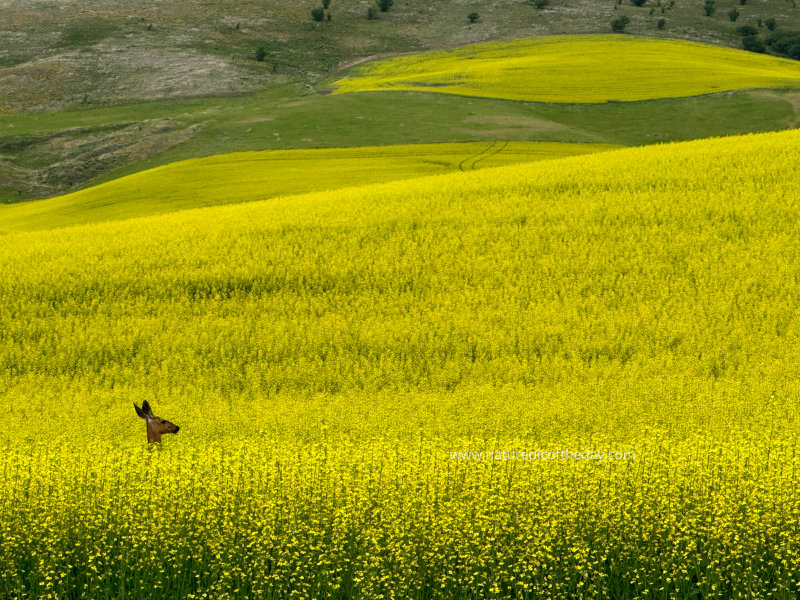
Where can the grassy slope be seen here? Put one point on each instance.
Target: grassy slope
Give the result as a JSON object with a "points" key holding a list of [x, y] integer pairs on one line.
{"points": [[276, 119], [246, 177], [598, 68], [296, 48], [109, 57], [324, 353], [280, 119]]}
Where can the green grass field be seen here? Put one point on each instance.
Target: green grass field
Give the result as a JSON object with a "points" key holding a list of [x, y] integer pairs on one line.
{"points": [[250, 176], [599, 68], [329, 355], [282, 120]]}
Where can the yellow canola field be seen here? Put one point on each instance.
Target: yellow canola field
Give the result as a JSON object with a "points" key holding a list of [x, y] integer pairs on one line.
{"points": [[249, 176], [358, 373], [580, 69]]}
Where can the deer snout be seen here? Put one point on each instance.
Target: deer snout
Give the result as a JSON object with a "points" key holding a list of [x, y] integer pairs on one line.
{"points": [[177, 429]]}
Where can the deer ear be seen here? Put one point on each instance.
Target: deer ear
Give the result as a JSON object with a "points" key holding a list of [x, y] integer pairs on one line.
{"points": [[146, 409], [139, 411]]}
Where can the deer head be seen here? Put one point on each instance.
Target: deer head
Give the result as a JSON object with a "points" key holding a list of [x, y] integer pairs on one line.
{"points": [[155, 425]]}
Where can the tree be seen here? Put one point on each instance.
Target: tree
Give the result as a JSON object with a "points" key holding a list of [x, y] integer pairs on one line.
{"points": [[638, 2], [770, 23], [618, 24], [473, 16], [384, 5], [326, 4], [662, 23], [540, 4], [261, 53], [753, 44], [744, 30], [709, 7], [318, 14], [733, 14]]}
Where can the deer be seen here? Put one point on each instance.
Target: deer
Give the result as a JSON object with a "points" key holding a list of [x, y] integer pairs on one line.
{"points": [[156, 426]]}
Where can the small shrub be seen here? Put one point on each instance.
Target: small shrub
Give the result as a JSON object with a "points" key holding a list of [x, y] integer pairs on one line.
{"points": [[744, 30], [770, 23], [733, 14], [372, 13], [540, 4], [318, 14], [638, 2], [261, 53], [384, 5], [662, 23], [326, 4], [473, 16], [753, 43], [794, 52], [709, 7], [618, 24], [742, 2], [758, 22]]}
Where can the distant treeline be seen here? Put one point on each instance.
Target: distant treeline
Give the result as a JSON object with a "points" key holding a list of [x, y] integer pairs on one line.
{"points": [[785, 43], [780, 43]]}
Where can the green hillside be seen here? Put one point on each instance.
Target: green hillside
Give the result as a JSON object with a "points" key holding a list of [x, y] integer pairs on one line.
{"points": [[93, 95]]}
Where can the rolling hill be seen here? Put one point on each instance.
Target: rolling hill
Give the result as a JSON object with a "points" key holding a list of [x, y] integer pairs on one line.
{"points": [[576, 69], [46, 153], [250, 176]]}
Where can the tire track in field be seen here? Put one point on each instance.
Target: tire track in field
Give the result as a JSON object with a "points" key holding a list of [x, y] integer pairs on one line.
{"points": [[474, 156], [489, 155]]}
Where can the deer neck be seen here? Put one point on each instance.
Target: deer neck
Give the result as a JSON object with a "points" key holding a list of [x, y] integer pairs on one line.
{"points": [[153, 437]]}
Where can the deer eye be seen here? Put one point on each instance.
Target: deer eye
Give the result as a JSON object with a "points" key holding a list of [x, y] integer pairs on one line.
{"points": [[163, 421]]}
